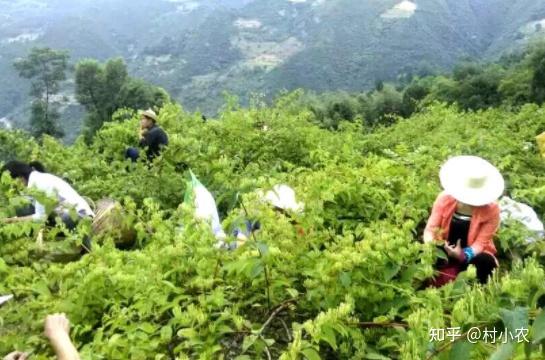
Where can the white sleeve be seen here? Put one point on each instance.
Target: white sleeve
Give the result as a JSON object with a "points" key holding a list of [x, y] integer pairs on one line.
{"points": [[39, 212], [39, 209]]}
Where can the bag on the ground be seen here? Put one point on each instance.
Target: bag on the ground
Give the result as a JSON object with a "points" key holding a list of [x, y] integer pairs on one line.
{"points": [[512, 210]]}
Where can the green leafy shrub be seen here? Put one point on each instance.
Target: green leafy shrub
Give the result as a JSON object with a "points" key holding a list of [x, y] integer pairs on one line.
{"points": [[344, 279]]}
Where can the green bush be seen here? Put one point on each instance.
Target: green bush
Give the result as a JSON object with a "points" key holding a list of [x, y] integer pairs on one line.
{"points": [[349, 287]]}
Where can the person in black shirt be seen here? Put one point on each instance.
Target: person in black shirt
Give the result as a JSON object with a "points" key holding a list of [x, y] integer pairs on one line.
{"points": [[152, 137]]}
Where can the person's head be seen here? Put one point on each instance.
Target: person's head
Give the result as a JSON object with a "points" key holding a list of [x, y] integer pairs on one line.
{"points": [[18, 170], [37, 166], [148, 119], [472, 180]]}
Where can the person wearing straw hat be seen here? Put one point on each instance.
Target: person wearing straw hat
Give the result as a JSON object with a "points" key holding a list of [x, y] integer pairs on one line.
{"points": [[152, 137], [466, 217]]}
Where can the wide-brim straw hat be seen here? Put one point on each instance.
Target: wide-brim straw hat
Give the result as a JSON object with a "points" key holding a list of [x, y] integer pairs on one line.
{"points": [[149, 114], [472, 180], [283, 197]]}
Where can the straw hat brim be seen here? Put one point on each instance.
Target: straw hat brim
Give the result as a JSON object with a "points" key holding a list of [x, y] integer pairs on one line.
{"points": [[454, 177], [149, 114]]}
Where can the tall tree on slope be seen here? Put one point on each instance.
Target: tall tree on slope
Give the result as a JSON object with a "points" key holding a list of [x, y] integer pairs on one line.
{"points": [[46, 68]]}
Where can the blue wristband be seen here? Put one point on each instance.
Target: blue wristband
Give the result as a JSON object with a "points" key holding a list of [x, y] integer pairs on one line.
{"points": [[469, 253]]}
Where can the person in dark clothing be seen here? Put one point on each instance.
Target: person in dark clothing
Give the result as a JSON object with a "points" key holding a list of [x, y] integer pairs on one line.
{"points": [[152, 137]]}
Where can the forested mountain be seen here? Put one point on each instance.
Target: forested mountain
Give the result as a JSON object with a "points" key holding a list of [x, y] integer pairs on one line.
{"points": [[198, 49]]}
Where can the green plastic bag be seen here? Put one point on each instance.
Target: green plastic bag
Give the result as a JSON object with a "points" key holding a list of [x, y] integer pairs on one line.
{"points": [[191, 184]]}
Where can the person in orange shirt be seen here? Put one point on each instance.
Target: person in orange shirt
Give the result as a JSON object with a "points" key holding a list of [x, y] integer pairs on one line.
{"points": [[466, 217]]}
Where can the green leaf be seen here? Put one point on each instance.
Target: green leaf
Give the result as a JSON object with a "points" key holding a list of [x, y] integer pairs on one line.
{"points": [[538, 329], [147, 328], [390, 271], [375, 356], [461, 350], [248, 342], [187, 333], [166, 333], [256, 270], [515, 319], [504, 352], [311, 354], [346, 279], [41, 288], [528, 348], [328, 335], [441, 254], [263, 248], [293, 292], [409, 273]]}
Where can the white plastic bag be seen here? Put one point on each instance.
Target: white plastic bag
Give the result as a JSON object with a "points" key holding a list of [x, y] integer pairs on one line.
{"points": [[205, 205], [512, 210], [5, 298]]}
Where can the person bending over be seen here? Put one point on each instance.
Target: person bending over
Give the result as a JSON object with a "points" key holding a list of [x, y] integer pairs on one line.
{"points": [[68, 199], [466, 217]]}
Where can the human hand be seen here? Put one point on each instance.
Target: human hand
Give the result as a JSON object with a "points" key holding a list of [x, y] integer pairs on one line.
{"points": [[142, 132], [56, 329], [56, 325], [16, 355], [455, 251]]}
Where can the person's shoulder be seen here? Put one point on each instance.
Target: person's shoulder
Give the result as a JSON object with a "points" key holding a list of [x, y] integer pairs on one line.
{"points": [[50, 178], [37, 177], [157, 131], [160, 130], [444, 198], [492, 209], [42, 180]]}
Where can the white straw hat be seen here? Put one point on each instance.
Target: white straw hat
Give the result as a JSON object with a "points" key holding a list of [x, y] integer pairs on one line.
{"points": [[283, 197], [149, 114], [471, 180]]}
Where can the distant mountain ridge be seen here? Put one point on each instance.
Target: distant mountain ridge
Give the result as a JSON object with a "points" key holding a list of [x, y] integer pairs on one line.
{"points": [[197, 49]]}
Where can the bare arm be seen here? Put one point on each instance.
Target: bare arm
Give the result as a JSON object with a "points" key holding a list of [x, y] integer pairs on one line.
{"points": [[57, 330]]}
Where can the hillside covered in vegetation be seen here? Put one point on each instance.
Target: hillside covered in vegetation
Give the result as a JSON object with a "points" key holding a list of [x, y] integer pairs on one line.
{"points": [[350, 287]]}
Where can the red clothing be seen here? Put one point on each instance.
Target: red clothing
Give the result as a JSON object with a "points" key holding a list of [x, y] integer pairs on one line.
{"points": [[446, 274], [485, 221]]}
